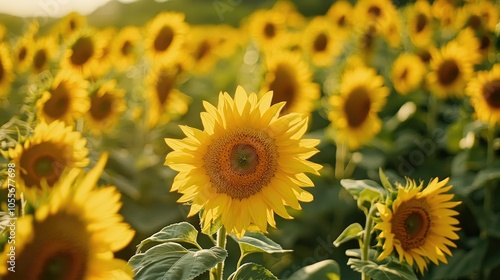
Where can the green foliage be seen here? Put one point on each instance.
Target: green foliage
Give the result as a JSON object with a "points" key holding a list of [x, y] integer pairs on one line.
{"points": [[388, 271], [353, 231], [324, 270], [257, 242], [252, 271], [181, 232]]}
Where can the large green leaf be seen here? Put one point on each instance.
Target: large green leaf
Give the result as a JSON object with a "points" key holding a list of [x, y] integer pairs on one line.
{"points": [[172, 261], [353, 231], [257, 242], [252, 271], [181, 232], [355, 187], [323, 270], [389, 271]]}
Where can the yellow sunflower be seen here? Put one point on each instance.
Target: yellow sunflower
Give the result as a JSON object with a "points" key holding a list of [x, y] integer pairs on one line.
{"points": [[420, 25], [378, 13], [267, 29], [83, 53], [201, 44], [107, 103], [247, 163], [407, 73], [484, 90], [106, 60], [294, 19], [165, 36], [43, 156], [446, 13], [478, 15], [166, 101], [46, 49], [65, 100], [471, 44], [73, 235], [419, 224], [339, 14], [6, 75], [125, 47], [23, 52], [71, 24], [354, 110], [450, 70], [321, 43], [290, 80]]}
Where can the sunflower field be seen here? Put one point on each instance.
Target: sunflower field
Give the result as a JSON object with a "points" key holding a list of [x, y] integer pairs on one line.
{"points": [[240, 140]]}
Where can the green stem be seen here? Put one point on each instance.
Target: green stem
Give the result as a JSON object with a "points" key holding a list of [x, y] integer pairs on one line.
{"points": [[367, 240], [432, 114], [340, 156], [217, 272], [490, 189]]}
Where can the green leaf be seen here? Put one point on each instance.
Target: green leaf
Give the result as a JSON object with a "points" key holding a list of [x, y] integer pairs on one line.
{"points": [[172, 261], [323, 270], [483, 178], [351, 232], [257, 242], [355, 187], [389, 271], [180, 232], [385, 181], [252, 271]]}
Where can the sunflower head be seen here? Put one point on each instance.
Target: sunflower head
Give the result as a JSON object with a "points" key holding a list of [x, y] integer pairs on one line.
{"points": [[84, 52], [71, 23], [106, 105], [420, 24], [267, 28], [321, 42], [124, 47], [484, 90], [407, 73], [6, 75], [247, 164], [419, 224]]}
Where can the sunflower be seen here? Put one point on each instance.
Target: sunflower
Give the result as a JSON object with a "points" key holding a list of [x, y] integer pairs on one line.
{"points": [[165, 36], [419, 224], [247, 163], [71, 24], [472, 45], [480, 16], [407, 73], [23, 52], [106, 105], [446, 13], [450, 70], [321, 42], [43, 156], [201, 44], [66, 99], [290, 79], [6, 75], [73, 234], [420, 25], [84, 52], [339, 14], [378, 13], [166, 101], [106, 59], [267, 29], [354, 110], [484, 90], [294, 19], [46, 49], [125, 47]]}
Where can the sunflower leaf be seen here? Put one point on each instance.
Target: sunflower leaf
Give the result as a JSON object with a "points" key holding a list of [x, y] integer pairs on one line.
{"points": [[355, 187], [323, 270], [256, 242], [180, 232], [251, 271], [385, 181], [351, 232], [388, 271]]}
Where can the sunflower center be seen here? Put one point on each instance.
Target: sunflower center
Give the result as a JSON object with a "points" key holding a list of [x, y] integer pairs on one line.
{"points": [[164, 86], [269, 30], [484, 43], [72, 25], [241, 163], [421, 22], [126, 48], [40, 59], [425, 56], [101, 106], [341, 21], [44, 166], [320, 42], [2, 70], [164, 38], [284, 85], [375, 11], [448, 72], [411, 223], [404, 74], [44, 160], [202, 50], [357, 106], [474, 21], [491, 93], [83, 49], [22, 54], [58, 104]]}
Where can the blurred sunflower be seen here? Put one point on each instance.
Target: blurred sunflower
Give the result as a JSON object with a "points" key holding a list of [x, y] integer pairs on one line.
{"points": [[71, 24], [407, 73], [166, 101], [420, 25], [446, 13], [479, 15], [106, 59], [46, 49], [339, 14], [165, 37], [450, 70], [267, 29], [202, 47], [321, 43], [43, 156], [227, 39], [125, 47], [66, 99], [23, 52], [290, 79], [83, 53], [6, 75], [354, 110], [74, 234], [294, 19], [484, 90], [374, 12], [419, 224], [107, 103], [247, 163], [466, 39]]}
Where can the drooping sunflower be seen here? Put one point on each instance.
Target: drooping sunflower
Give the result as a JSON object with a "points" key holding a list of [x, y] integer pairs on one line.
{"points": [[72, 235], [66, 99], [339, 14], [407, 73], [125, 47], [247, 164], [450, 70], [46, 49], [419, 224], [484, 90], [321, 43], [106, 105], [165, 37], [6, 75], [43, 156], [71, 24], [290, 79], [267, 29], [83, 53], [354, 110], [420, 24]]}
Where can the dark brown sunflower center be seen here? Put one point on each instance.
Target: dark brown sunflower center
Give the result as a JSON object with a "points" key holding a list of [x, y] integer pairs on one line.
{"points": [[202, 50], [474, 22], [404, 75], [491, 93], [101, 106], [72, 25], [320, 42], [21, 55], [284, 85], [357, 106], [83, 49], [163, 39], [375, 11], [39, 59], [45, 160], [164, 86], [341, 21], [421, 23], [448, 72], [411, 223], [126, 48], [241, 163], [425, 56], [484, 42], [2, 70], [59, 103], [269, 30]]}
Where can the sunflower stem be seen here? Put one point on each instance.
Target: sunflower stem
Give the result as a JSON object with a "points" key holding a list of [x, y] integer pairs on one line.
{"points": [[340, 155], [490, 189], [367, 239], [217, 271], [432, 114]]}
